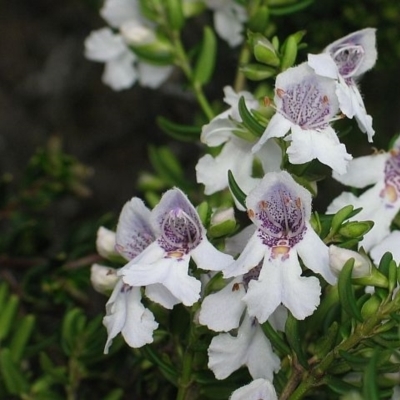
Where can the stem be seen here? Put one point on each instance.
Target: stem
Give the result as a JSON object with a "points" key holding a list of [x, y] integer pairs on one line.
{"points": [[182, 61], [186, 378], [317, 375], [244, 58], [185, 381]]}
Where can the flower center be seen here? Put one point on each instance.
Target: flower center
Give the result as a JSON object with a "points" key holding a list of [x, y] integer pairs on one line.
{"points": [[180, 233], [391, 192], [305, 104], [349, 58], [280, 220]]}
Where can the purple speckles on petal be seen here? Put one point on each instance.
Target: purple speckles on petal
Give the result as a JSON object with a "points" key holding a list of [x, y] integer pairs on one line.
{"points": [[391, 192], [306, 104], [280, 220], [253, 274], [181, 232], [348, 57]]}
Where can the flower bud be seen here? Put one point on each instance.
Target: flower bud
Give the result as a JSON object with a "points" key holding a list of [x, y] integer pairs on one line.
{"points": [[289, 52], [370, 307], [105, 243], [339, 256], [222, 222], [146, 43], [355, 229], [103, 278], [136, 34], [263, 50]]}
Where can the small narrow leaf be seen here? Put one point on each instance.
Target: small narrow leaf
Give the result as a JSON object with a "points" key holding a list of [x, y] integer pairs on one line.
{"points": [[205, 64], [238, 193], [248, 120], [185, 133], [294, 338], [21, 336], [346, 293], [290, 9], [13, 379], [370, 386]]}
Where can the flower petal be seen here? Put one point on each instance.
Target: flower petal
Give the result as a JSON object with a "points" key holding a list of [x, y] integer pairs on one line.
{"points": [[301, 295], [126, 314], [134, 232], [389, 243], [277, 127], [161, 295], [153, 76], [250, 347], [324, 145], [221, 311], [120, 73], [207, 257], [251, 255], [323, 65], [171, 272], [116, 12], [103, 45], [315, 255], [259, 389], [228, 23], [265, 294], [364, 171], [218, 131]]}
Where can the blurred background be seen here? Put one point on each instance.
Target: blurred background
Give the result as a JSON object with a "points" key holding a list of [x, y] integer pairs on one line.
{"points": [[48, 88], [90, 144]]}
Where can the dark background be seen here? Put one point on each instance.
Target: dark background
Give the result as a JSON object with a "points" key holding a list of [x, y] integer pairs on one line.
{"points": [[48, 88]]}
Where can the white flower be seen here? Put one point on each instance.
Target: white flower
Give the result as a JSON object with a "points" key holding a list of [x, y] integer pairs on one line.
{"points": [[259, 389], [180, 236], [122, 67], [390, 243], [105, 242], [306, 104], [103, 278], [281, 209], [105, 46], [339, 256], [116, 12], [249, 347], [229, 18], [125, 312], [381, 202], [346, 60], [236, 154]]}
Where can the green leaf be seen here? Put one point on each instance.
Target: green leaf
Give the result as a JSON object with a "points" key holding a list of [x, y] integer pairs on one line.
{"points": [[289, 53], [167, 166], [184, 133], [294, 337], [72, 325], [205, 64], [236, 190], [21, 336], [291, 8], [14, 380], [346, 293], [338, 219], [275, 338], [7, 315], [248, 119], [167, 368], [175, 15], [370, 386], [339, 386]]}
